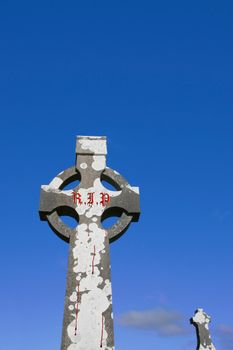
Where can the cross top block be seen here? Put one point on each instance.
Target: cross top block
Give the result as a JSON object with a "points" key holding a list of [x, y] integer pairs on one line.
{"points": [[90, 170], [91, 145]]}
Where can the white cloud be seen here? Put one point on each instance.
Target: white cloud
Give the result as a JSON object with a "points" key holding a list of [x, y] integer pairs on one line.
{"points": [[163, 322]]}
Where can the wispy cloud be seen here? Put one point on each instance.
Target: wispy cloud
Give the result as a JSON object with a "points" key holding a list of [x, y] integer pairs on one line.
{"points": [[222, 215], [225, 334], [159, 298], [163, 322]]}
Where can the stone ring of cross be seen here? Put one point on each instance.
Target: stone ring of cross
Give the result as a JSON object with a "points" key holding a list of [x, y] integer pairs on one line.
{"points": [[90, 201], [72, 174]]}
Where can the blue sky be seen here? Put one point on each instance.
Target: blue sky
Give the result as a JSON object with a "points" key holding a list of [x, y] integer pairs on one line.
{"points": [[156, 79]]}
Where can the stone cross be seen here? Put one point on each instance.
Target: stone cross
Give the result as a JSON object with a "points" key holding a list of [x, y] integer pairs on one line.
{"points": [[201, 322], [88, 319]]}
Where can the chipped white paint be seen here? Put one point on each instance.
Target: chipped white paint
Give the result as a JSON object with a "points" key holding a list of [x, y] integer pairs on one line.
{"points": [[55, 183], [83, 165], [135, 189], [96, 298], [96, 146], [206, 347], [99, 163], [201, 317], [73, 297]]}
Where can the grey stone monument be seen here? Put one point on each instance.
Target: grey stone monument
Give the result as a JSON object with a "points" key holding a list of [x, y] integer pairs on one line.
{"points": [[201, 322], [88, 319]]}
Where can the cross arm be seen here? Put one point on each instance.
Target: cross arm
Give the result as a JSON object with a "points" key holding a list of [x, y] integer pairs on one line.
{"points": [[52, 199], [128, 201]]}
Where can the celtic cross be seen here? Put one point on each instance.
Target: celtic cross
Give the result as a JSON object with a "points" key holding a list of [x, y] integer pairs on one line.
{"points": [[201, 322], [88, 320]]}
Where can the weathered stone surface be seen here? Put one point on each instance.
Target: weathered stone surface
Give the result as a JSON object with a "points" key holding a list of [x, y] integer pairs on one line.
{"points": [[88, 320], [201, 322]]}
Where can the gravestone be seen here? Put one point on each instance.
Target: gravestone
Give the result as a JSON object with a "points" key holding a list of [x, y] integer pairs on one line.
{"points": [[201, 322], [88, 319]]}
